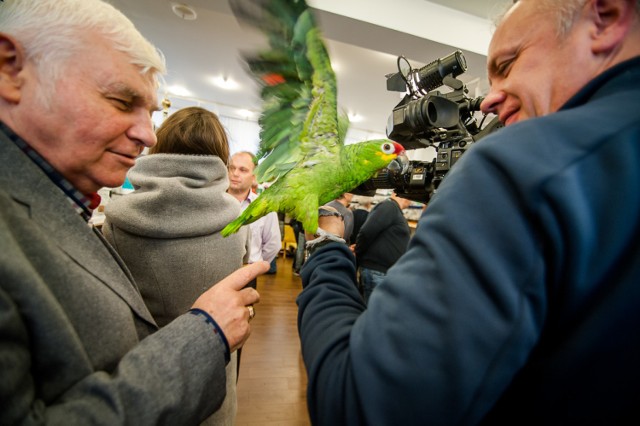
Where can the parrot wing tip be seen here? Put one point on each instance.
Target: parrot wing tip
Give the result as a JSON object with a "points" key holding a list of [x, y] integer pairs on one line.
{"points": [[228, 230]]}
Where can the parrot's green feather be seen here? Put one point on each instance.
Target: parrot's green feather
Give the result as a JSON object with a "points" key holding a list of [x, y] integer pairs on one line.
{"points": [[343, 126], [302, 135]]}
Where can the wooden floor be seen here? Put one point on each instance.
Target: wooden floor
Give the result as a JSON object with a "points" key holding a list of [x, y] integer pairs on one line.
{"points": [[272, 382]]}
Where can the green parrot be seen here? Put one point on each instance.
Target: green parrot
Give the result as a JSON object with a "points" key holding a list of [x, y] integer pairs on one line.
{"points": [[302, 134]]}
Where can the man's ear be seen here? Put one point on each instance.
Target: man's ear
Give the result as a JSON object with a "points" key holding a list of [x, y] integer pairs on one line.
{"points": [[612, 20], [11, 65]]}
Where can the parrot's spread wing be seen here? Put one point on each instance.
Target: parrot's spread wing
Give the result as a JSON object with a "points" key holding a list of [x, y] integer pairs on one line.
{"points": [[301, 133], [298, 86]]}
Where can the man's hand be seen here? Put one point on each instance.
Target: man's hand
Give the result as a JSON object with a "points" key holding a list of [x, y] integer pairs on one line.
{"points": [[227, 302], [331, 224]]}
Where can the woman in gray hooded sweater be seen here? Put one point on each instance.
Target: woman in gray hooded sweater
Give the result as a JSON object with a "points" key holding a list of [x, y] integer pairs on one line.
{"points": [[167, 230]]}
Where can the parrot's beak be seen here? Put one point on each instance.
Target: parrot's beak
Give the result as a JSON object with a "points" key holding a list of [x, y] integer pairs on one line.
{"points": [[400, 163]]}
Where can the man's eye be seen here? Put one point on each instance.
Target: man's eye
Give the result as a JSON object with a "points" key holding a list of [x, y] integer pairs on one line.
{"points": [[122, 104], [503, 68]]}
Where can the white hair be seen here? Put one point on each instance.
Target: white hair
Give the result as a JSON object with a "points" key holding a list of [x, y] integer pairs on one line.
{"points": [[51, 33], [565, 12]]}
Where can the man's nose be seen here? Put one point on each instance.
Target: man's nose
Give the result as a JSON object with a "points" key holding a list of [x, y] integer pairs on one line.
{"points": [[492, 101], [142, 130]]}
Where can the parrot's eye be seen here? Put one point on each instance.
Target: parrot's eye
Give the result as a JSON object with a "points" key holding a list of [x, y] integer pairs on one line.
{"points": [[388, 148]]}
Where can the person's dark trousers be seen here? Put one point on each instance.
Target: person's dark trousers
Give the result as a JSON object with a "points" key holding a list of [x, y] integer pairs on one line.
{"points": [[253, 284], [299, 256], [273, 268]]}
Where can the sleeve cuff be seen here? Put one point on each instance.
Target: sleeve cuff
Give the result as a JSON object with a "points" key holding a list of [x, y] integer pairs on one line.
{"points": [[322, 237], [314, 248], [216, 329]]}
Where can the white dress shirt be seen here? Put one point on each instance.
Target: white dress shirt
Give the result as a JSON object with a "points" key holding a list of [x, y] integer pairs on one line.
{"points": [[266, 240]]}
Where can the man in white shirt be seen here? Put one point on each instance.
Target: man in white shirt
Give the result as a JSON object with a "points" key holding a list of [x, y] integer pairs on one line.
{"points": [[266, 239]]}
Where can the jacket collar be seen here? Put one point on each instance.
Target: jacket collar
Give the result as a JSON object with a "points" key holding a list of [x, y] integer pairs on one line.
{"points": [[50, 209]]}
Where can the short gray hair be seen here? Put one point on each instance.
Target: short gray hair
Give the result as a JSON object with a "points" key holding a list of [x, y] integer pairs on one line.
{"points": [[50, 31], [565, 11]]}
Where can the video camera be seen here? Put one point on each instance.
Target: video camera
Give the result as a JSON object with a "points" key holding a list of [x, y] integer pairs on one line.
{"points": [[428, 118]]}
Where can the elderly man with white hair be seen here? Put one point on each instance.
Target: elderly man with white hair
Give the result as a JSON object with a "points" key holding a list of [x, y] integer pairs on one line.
{"points": [[77, 343]]}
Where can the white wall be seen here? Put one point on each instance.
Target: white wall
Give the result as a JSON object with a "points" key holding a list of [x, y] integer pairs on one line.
{"points": [[244, 133]]}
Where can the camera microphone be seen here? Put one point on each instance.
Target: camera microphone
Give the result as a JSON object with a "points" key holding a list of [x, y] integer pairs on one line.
{"points": [[431, 76]]}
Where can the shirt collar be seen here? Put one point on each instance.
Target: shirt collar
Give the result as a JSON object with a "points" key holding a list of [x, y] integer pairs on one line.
{"points": [[252, 196], [80, 202]]}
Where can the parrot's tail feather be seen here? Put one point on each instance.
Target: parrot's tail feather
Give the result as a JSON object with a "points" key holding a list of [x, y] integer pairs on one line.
{"points": [[232, 227], [258, 208]]}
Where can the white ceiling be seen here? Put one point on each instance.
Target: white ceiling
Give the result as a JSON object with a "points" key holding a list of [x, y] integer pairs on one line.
{"points": [[486, 9], [364, 37]]}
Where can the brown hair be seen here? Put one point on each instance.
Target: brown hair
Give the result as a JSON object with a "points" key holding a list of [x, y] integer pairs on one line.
{"points": [[194, 131]]}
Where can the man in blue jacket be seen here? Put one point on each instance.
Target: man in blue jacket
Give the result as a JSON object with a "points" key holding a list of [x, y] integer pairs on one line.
{"points": [[517, 300]]}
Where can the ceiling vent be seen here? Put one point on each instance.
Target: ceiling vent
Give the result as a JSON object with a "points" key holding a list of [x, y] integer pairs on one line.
{"points": [[184, 11]]}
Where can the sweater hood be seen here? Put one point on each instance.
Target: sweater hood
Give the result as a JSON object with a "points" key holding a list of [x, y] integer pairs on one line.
{"points": [[175, 196]]}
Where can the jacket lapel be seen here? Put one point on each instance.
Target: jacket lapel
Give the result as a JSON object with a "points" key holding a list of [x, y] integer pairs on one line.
{"points": [[51, 210]]}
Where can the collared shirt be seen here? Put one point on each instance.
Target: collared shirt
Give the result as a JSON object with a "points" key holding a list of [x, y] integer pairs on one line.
{"points": [[80, 202], [266, 240]]}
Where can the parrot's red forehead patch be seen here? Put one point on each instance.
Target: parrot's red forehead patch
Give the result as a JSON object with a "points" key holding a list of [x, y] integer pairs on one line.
{"points": [[273, 79]]}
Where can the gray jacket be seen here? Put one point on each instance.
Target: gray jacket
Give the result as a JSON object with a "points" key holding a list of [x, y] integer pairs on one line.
{"points": [[72, 322]]}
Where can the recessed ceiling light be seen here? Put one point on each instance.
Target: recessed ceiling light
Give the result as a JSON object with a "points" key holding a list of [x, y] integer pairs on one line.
{"points": [[354, 118], [184, 11], [179, 90], [245, 113], [225, 83]]}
